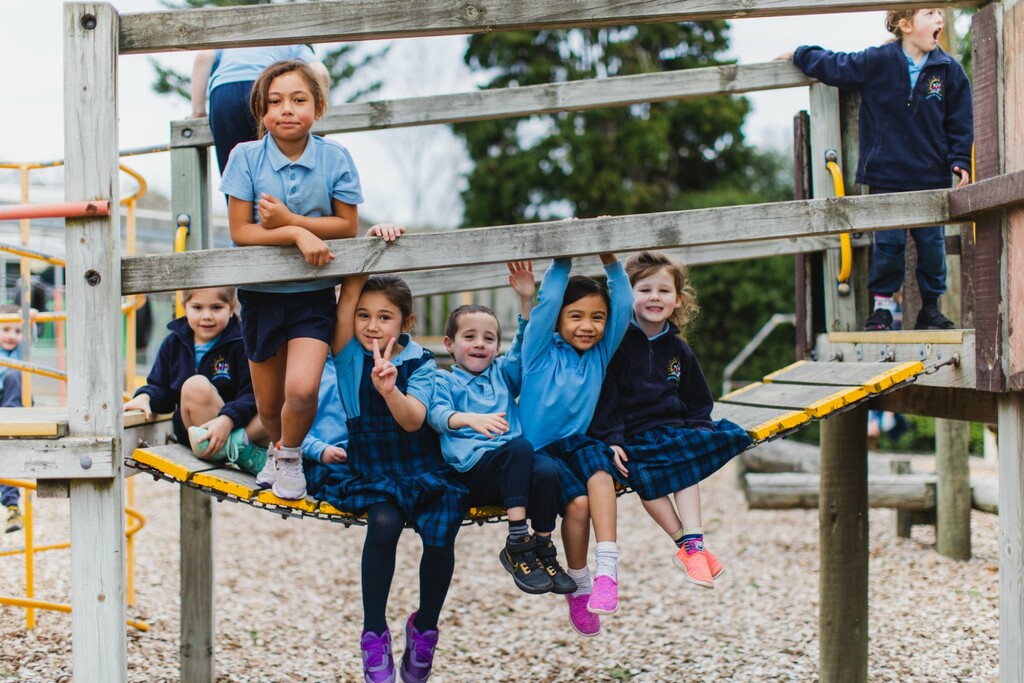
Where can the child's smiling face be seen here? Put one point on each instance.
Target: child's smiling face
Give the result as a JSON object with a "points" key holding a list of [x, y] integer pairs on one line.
{"points": [[476, 342], [581, 323], [207, 314], [655, 299], [921, 32], [378, 318], [10, 336]]}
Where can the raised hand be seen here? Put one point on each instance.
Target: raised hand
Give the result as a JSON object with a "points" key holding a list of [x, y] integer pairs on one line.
{"points": [[273, 212], [384, 373], [521, 278]]}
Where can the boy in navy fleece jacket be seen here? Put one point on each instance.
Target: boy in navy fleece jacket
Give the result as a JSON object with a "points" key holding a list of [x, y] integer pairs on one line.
{"points": [[916, 129], [201, 373]]}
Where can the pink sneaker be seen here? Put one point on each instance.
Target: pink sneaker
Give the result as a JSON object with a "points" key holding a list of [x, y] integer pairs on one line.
{"points": [[695, 567], [605, 598], [585, 623], [714, 564]]}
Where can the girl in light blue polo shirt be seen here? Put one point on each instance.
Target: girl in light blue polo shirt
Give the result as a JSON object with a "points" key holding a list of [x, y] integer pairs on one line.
{"points": [[289, 188]]}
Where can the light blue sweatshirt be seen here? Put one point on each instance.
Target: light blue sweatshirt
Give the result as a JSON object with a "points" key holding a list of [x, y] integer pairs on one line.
{"points": [[329, 428], [492, 391], [560, 385]]}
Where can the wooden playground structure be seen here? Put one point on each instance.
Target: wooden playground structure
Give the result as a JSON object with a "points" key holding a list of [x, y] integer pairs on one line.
{"points": [[975, 373]]}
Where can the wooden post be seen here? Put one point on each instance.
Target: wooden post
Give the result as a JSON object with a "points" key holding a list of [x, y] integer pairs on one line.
{"points": [[803, 262], [840, 312], [953, 492], [197, 593], [843, 534], [190, 193], [1011, 538], [902, 520], [95, 357]]}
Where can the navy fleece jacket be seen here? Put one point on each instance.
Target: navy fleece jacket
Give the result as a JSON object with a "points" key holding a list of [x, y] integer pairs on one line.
{"points": [[909, 139], [224, 365], [651, 382]]}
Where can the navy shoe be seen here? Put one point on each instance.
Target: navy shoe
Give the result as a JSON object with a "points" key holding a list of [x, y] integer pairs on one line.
{"points": [[930, 318], [879, 320]]}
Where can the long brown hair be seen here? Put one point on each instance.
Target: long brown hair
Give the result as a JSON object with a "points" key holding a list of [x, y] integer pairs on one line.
{"points": [[259, 99]]}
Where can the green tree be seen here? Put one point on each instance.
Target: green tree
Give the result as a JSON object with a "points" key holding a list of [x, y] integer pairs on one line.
{"points": [[342, 61], [627, 160]]}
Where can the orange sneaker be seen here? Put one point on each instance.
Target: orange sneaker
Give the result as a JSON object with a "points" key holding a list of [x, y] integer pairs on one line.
{"points": [[713, 564], [695, 567]]}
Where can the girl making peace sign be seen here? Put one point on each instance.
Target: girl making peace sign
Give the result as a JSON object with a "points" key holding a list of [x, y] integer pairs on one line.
{"points": [[394, 472]]}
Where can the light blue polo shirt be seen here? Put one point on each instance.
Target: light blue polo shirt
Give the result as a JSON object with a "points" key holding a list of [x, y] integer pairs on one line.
{"points": [[325, 171], [492, 391], [915, 69], [560, 385], [246, 63], [329, 428], [348, 364]]}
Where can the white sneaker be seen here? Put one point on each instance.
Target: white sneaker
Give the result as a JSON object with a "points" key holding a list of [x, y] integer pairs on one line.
{"points": [[290, 483], [268, 475]]}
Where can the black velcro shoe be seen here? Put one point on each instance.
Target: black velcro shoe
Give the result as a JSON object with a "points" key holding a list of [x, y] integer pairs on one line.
{"points": [[930, 318], [547, 553], [879, 320], [519, 558]]}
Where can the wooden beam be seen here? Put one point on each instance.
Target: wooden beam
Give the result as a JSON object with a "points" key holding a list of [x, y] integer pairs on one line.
{"points": [[1012, 138], [352, 20], [198, 617], [843, 542], [943, 402], [785, 490], [1011, 538], [723, 225], [531, 100], [95, 358], [953, 499], [68, 458], [471, 278], [990, 194]]}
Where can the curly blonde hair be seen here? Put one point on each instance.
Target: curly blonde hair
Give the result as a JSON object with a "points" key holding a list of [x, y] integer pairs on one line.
{"points": [[893, 18], [647, 263]]}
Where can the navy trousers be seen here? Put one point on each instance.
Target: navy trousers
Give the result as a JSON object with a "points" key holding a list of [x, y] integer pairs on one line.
{"points": [[888, 259]]}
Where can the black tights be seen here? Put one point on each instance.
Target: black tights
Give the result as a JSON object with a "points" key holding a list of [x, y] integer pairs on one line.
{"points": [[384, 526]]}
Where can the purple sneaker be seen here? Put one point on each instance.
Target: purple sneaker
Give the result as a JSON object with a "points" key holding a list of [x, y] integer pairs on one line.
{"points": [[585, 623], [378, 664], [419, 653], [605, 598]]}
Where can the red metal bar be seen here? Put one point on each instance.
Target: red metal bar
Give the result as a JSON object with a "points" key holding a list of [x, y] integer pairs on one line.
{"points": [[67, 210]]}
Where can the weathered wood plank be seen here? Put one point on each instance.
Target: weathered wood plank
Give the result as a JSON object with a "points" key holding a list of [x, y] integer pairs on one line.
{"points": [[937, 351], [531, 100], [57, 458], [219, 267], [761, 423], [843, 544], [990, 250], [987, 195], [805, 290], [1011, 538], [350, 20], [817, 401], [94, 356], [953, 499], [470, 278], [1013, 162], [198, 605], [873, 377], [785, 490]]}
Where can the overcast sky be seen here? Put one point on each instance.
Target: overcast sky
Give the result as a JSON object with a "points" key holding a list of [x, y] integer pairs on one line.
{"points": [[31, 122]]}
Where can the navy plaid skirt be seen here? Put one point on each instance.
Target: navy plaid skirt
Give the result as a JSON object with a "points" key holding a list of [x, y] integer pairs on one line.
{"points": [[566, 451], [389, 465], [668, 459]]}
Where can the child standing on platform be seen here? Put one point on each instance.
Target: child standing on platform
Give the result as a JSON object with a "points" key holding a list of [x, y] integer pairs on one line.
{"points": [[10, 397], [916, 130], [201, 375], [289, 188], [567, 345], [474, 410], [655, 414], [394, 471]]}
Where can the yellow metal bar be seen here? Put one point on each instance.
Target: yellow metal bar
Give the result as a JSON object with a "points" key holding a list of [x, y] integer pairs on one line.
{"points": [[30, 554], [57, 607], [845, 248], [180, 236], [32, 254], [130, 544], [26, 279], [33, 369]]}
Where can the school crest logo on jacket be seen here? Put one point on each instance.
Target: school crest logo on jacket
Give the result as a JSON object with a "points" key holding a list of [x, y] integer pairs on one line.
{"points": [[221, 369], [935, 88], [675, 370]]}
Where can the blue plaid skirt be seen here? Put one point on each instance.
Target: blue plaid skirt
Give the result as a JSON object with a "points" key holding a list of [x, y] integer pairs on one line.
{"points": [[388, 465], [668, 459], [566, 451]]}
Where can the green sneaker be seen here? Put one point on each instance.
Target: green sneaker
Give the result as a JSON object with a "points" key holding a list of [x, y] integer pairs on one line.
{"points": [[251, 459], [229, 451]]}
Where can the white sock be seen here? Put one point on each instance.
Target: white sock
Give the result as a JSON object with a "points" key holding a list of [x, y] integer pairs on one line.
{"points": [[607, 554], [886, 302], [584, 585], [289, 452]]}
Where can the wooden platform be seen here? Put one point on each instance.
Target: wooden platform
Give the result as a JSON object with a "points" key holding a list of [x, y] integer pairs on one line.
{"points": [[46, 423], [792, 397], [176, 464]]}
